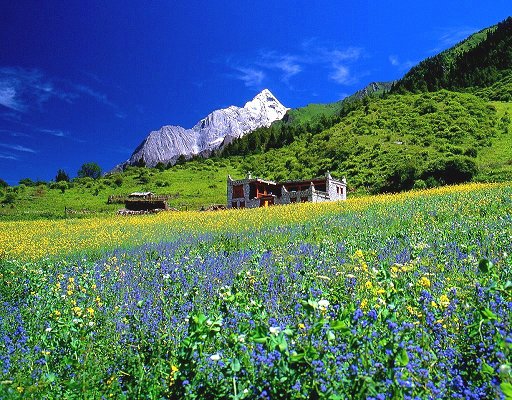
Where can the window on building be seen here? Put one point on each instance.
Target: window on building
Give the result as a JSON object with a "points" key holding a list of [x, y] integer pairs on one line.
{"points": [[242, 204], [233, 204], [238, 191]]}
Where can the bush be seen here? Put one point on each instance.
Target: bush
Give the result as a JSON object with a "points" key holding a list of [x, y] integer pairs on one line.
{"points": [[10, 198], [118, 180], [452, 170]]}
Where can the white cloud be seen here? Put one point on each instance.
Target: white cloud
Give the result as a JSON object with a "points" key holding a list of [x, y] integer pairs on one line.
{"points": [[451, 36], [53, 132], [341, 74], [8, 97], [401, 65], [23, 89], [286, 64], [250, 76], [17, 147], [7, 156], [312, 53]]}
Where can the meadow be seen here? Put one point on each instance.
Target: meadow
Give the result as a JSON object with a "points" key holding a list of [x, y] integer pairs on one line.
{"points": [[404, 296]]}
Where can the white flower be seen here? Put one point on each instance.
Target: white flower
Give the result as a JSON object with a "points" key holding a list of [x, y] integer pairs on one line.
{"points": [[241, 338], [48, 329], [76, 321], [91, 323], [274, 330], [215, 357], [504, 369], [166, 276], [323, 304]]}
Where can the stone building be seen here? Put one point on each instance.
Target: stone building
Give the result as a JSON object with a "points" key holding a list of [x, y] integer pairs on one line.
{"points": [[255, 192]]}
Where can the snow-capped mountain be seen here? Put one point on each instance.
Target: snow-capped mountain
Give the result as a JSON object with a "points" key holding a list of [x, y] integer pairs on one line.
{"points": [[217, 129]]}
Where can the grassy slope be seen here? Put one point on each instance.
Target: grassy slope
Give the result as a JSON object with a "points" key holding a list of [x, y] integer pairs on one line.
{"points": [[369, 143], [195, 184], [495, 161]]}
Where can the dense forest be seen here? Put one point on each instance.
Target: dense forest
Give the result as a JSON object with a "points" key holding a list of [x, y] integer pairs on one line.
{"points": [[480, 61]]}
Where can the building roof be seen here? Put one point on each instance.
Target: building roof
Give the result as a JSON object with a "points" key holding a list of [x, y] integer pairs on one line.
{"points": [[140, 194]]}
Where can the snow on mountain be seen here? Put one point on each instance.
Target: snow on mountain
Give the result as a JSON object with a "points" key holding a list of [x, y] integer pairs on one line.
{"points": [[219, 127]]}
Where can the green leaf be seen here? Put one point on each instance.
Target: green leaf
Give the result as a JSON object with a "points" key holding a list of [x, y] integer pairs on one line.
{"points": [[484, 265], [282, 344], [288, 332], [339, 326], [506, 388], [402, 358], [297, 357], [487, 369], [235, 365], [488, 314]]}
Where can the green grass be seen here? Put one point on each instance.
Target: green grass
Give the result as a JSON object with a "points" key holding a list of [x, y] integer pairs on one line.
{"points": [[495, 161], [192, 185]]}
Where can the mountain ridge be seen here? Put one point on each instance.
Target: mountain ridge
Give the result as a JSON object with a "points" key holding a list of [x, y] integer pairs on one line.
{"points": [[167, 144]]}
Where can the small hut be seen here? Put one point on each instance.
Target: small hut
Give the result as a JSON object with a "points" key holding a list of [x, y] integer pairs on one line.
{"points": [[145, 201]]}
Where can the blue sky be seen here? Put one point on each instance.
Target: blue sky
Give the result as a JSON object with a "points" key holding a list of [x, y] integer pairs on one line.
{"points": [[87, 81]]}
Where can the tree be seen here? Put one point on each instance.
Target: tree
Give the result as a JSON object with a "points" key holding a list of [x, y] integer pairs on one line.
{"points": [[26, 182], [62, 176], [3, 184], [89, 170], [63, 185]]}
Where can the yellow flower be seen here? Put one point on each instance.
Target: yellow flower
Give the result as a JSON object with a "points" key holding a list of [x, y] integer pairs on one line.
{"points": [[20, 389], [444, 301], [78, 311], [368, 285], [433, 304], [302, 326], [56, 313], [364, 304], [425, 282], [90, 311]]}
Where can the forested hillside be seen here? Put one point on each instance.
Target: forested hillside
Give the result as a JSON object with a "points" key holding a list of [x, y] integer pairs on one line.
{"points": [[482, 60], [394, 143]]}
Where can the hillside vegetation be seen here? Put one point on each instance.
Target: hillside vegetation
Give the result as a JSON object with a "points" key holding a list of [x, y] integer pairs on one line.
{"points": [[480, 61], [394, 143]]}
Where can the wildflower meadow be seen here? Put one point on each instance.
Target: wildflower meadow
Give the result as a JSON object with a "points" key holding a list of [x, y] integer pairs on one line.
{"points": [[405, 296]]}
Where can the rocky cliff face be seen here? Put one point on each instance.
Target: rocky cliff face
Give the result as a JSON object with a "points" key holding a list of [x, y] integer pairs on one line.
{"points": [[218, 128]]}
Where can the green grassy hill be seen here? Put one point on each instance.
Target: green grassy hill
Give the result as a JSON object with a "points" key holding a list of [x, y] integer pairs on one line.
{"points": [[394, 143], [192, 185]]}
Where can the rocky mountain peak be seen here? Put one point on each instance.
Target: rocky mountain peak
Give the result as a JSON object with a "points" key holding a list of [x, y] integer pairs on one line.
{"points": [[218, 128]]}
